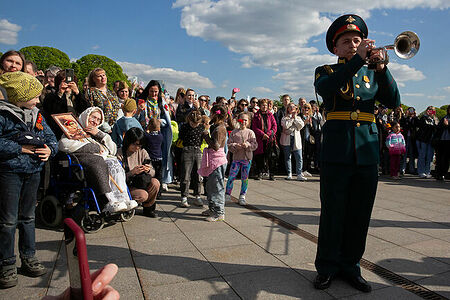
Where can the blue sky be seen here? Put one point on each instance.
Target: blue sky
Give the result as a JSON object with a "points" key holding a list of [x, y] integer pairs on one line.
{"points": [[264, 47]]}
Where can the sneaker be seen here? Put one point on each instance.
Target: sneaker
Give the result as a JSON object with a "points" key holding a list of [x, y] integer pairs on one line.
{"points": [[301, 177], [8, 276], [242, 200], [198, 201], [227, 198], [289, 177], [32, 267], [207, 213], [184, 202], [149, 212], [306, 174], [113, 207], [131, 204], [259, 177], [428, 176], [272, 178], [422, 175], [164, 187], [215, 218]]}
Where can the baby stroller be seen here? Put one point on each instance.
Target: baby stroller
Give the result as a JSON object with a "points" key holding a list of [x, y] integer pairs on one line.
{"points": [[69, 195]]}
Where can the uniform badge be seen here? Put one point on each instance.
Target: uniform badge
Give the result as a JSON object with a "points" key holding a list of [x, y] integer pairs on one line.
{"points": [[366, 80], [350, 19]]}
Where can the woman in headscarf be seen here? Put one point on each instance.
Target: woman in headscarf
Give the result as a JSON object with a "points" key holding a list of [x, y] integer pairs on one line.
{"points": [[96, 154], [152, 105]]}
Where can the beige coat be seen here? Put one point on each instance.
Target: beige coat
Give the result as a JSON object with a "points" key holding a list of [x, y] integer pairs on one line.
{"points": [[291, 125]]}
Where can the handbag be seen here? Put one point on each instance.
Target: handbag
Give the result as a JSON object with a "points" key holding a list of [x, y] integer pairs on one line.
{"points": [[274, 150], [140, 181]]}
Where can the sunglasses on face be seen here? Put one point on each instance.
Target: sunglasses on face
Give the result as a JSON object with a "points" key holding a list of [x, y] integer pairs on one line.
{"points": [[244, 104]]}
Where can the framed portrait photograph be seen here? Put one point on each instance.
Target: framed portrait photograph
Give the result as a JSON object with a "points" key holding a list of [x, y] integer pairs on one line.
{"points": [[70, 126]]}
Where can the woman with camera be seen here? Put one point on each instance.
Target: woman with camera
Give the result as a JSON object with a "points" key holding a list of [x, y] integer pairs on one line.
{"points": [[67, 99], [139, 171], [291, 140]]}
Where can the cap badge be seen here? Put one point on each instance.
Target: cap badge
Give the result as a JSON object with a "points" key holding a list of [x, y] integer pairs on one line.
{"points": [[366, 78], [350, 19], [352, 27]]}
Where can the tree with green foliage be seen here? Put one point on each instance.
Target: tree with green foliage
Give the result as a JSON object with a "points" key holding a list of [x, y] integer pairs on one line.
{"points": [[91, 61], [1, 53], [44, 57]]}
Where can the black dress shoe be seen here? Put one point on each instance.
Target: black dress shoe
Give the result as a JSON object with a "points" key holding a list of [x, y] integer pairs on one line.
{"points": [[359, 283], [322, 282]]}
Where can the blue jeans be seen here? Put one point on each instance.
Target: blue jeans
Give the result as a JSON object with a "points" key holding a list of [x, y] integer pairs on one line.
{"points": [[215, 190], [426, 152], [298, 159], [17, 205]]}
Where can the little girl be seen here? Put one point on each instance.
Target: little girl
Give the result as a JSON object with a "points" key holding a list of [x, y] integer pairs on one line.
{"points": [[396, 145], [191, 134], [214, 162], [242, 142]]}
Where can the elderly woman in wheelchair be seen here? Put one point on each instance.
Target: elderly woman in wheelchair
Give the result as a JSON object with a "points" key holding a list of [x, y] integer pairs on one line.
{"points": [[102, 171]]}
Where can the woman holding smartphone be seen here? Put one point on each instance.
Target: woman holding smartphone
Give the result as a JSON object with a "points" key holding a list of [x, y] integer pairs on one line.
{"points": [[139, 171]]}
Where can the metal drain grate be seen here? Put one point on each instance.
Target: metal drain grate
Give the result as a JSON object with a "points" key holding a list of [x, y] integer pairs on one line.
{"points": [[396, 279]]}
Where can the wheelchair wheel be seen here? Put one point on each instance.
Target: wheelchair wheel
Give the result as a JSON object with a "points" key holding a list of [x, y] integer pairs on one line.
{"points": [[92, 222], [50, 211], [127, 215]]}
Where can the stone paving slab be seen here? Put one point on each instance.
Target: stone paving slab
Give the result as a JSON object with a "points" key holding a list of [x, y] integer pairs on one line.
{"points": [[180, 256]]}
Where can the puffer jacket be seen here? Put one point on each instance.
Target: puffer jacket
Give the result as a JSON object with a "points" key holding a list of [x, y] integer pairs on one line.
{"points": [[11, 122]]}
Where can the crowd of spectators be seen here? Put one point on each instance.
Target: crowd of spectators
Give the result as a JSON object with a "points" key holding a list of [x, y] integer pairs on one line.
{"points": [[186, 140]]}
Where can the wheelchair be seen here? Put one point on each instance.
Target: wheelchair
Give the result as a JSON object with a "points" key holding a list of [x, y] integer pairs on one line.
{"points": [[68, 187]]}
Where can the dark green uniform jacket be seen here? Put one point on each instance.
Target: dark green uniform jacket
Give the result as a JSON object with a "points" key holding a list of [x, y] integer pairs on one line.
{"points": [[350, 86]]}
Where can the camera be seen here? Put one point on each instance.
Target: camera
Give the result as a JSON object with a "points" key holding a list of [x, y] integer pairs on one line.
{"points": [[69, 75]]}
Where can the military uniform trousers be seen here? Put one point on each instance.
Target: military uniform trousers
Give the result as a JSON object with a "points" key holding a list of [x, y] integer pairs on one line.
{"points": [[347, 194]]}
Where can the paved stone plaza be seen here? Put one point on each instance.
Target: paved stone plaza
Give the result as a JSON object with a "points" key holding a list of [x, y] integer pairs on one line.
{"points": [[180, 256]]}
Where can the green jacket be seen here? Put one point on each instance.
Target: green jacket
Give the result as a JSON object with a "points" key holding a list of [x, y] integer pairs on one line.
{"points": [[349, 86]]}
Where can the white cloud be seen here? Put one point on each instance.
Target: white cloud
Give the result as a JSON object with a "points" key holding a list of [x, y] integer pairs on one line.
{"points": [[8, 32], [278, 34], [225, 84], [447, 89], [173, 79], [436, 97], [95, 47], [403, 73], [204, 61], [413, 95], [262, 90]]}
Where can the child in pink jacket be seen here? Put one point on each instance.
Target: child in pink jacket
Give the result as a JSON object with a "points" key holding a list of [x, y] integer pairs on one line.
{"points": [[396, 145]]}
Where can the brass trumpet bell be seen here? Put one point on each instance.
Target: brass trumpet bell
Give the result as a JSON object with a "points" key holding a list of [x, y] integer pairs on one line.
{"points": [[405, 46]]}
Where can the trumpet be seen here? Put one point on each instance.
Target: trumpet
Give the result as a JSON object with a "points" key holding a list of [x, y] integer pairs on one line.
{"points": [[405, 46]]}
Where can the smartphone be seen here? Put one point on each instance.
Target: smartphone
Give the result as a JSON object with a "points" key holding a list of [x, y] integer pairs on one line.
{"points": [[77, 262], [69, 75], [146, 161]]}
